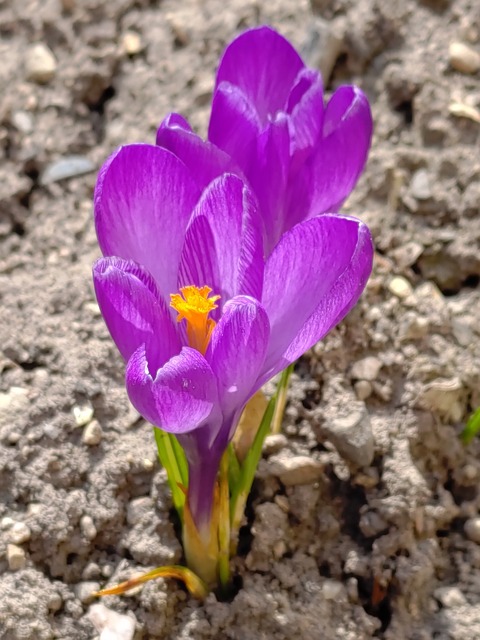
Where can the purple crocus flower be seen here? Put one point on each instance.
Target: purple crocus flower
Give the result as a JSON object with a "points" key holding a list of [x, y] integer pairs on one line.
{"points": [[269, 124], [201, 318]]}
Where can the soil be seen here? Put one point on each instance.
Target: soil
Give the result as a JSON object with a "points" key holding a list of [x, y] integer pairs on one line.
{"points": [[364, 518]]}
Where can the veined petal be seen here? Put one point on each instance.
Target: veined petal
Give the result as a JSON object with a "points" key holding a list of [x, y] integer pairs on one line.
{"points": [[306, 109], [181, 397], [134, 311], [313, 277], [263, 64], [332, 171], [234, 124], [223, 243], [174, 120], [204, 159], [237, 350], [268, 174], [143, 199], [342, 298]]}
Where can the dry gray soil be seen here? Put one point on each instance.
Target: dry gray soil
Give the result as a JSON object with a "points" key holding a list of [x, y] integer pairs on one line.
{"points": [[364, 521]]}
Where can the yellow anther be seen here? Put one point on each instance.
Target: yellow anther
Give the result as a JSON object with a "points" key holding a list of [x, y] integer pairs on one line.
{"points": [[194, 307]]}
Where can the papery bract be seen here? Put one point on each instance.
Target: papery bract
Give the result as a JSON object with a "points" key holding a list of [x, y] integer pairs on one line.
{"points": [[159, 234], [270, 126]]}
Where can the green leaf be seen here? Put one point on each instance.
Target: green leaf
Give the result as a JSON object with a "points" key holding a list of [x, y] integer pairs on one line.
{"points": [[174, 461], [241, 488], [472, 428], [282, 390]]}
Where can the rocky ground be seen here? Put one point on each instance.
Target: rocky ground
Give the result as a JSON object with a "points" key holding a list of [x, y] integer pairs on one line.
{"points": [[364, 521]]}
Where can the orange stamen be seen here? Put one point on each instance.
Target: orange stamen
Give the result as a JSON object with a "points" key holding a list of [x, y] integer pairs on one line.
{"points": [[194, 307]]}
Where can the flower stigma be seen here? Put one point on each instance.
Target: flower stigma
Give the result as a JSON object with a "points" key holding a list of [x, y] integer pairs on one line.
{"points": [[194, 307]]}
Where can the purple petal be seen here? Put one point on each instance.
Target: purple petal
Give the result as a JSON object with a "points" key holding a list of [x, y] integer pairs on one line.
{"points": [[143, 199], [223, 243], [264, 66], [306, 109], [237, 351], [204, 159], [174, 121], [314, 276], [268, 174], [134, 311], [234, 124], [181, 397], [330, 174]]}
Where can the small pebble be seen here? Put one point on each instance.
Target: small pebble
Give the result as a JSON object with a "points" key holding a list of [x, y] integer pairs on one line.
{"points": [[19, 533], [87, 527], [22, 121], [472, 529], [450, 597], [332, 589], [400, 287], [40, 64], [295, 470], [110, 624], [93, 434], [363, 389], [6, 523], [461, 110], [420, 185], [274, 443], [366, 369], [82, 414], [85, 590], [54, 602], [132, 43], [464, 58], [16, 557], [352, 436], [67, 167]]}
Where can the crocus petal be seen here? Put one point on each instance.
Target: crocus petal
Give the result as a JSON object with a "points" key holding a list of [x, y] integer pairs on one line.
{"points": [[205, 160], [268, 174], [134, 311], [313, 277], [181, 397], [143, 200], [234, 125], [330, 174], [223, 242], [237, 350], [263, 65], [342, 298], [306, 114]]}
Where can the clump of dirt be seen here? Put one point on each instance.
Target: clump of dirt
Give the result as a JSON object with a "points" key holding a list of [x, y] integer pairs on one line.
{"points": [[364, 519]]}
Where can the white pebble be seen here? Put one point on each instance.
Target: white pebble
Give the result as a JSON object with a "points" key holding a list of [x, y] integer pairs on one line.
{"points": [[472, 529], [16, 557], [132, 43], [19, 533], [400, 287], [82, 414], [40, 64], [85, 590], [87, 527], [332, 589], [92, 434], [6, 523], [110, 624], [464, 58], [366, 369]]}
